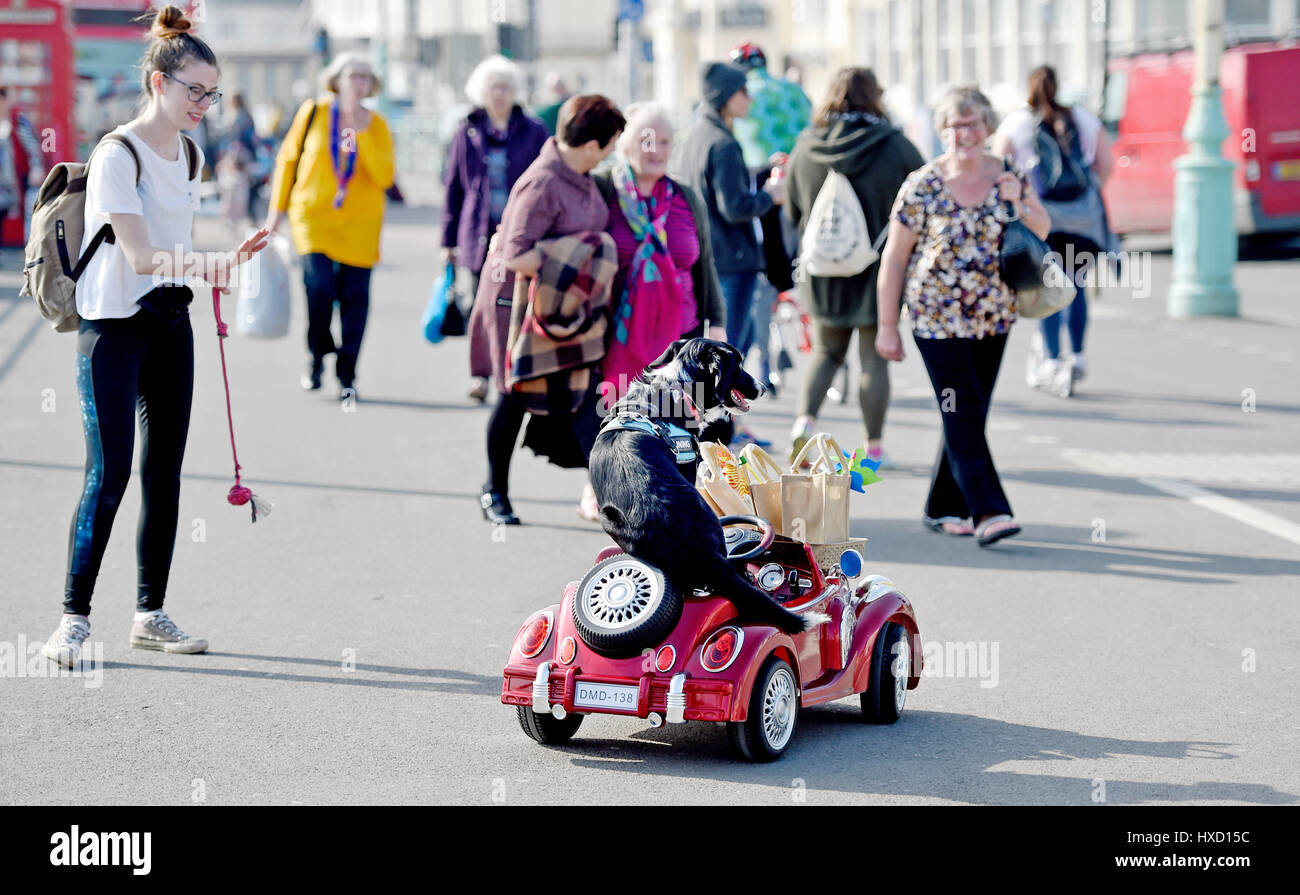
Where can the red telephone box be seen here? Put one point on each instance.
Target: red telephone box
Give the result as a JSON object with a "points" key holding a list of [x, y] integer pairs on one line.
{"points": [[37, 65]]}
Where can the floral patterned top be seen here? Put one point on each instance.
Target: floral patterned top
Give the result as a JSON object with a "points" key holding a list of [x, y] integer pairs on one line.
{"points": [[953, 289]]}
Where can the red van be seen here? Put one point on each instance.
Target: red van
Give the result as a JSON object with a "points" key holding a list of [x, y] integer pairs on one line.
{"points": [[1146, 106]]}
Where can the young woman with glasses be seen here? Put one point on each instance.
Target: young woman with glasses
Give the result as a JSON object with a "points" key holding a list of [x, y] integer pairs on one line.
{"points": [[135, 347]]}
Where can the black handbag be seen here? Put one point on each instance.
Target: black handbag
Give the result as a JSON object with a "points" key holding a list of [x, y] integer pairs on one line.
{"points": [[1021, 256]]}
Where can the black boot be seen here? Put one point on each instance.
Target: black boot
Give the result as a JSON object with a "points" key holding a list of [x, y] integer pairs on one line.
{"points": [[496, 508]]}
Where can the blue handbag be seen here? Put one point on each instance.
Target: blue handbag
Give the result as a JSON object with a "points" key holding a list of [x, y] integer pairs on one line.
{"points": [[436, 310]]}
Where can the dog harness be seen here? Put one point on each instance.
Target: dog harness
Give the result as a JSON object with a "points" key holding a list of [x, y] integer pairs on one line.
{"points": [[679, 441]]}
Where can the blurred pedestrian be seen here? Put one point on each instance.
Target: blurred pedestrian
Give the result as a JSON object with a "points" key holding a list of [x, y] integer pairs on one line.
{"points": [[135, 347], [333, 168], [493, 146], [244, 132], [779, 113], [666, 287], [559, 89], [942, 258], [232, 184], [555, 197], [22, 166], [1069, 181], [851, 134], [712, 164]]}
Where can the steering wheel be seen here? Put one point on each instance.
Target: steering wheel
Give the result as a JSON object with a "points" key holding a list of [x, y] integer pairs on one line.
{"points": [[738, 538]]}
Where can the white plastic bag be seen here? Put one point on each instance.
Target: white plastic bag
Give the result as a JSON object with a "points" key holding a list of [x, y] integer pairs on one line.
{"points": [[835, 241], [263, 293]]}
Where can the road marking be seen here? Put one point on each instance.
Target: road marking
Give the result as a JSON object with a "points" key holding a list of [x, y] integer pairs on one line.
{"points": [[1206, 469], [1042, 439], [1284, 357], [1005, 426], [1251, 349], [1227, 506]]}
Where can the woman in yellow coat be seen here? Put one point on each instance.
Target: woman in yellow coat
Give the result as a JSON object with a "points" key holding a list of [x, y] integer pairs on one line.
{"points": [[331, 174]]}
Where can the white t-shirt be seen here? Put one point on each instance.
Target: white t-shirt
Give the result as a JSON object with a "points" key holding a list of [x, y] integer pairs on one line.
{"points": [[1020, 124], [166, 198]]}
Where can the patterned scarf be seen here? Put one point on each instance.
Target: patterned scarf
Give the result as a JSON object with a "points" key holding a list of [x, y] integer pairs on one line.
{"points": [[342, 171], [649, 314]]}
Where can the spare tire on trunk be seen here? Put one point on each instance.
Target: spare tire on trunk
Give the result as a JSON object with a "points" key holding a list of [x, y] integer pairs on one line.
{"points": [[624, 605]]}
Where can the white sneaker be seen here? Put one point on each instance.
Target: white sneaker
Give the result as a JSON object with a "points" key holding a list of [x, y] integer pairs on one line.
{"points": [[1061, 379], [64, 645], [1078, 368], [1034, 361], [157, 631]]}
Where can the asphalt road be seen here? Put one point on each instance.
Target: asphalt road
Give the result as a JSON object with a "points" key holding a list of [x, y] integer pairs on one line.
{"points": [[1137, 644]]}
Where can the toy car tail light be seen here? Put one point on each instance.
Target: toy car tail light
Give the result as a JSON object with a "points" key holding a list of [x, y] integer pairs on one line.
{"points": [[664, 659], [722, 648], [568, 649], [532, 639]]}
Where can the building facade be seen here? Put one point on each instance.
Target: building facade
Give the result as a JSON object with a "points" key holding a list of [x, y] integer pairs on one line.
{"points": [[918, 46], [265, 47]]}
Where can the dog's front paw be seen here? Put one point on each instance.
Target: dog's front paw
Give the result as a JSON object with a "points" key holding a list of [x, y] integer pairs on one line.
{"points": [[813, 619]]}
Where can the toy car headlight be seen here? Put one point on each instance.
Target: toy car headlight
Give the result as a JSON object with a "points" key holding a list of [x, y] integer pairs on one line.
{"points": [[851, 563], [535, 633]]}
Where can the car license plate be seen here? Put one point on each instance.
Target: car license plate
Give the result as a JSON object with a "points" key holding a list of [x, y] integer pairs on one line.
{"points": [[615, 697], [1287, 170]]}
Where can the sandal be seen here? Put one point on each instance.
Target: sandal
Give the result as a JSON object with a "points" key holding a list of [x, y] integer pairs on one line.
{"points": [[995, 528], [588, 508], [949, 525]]}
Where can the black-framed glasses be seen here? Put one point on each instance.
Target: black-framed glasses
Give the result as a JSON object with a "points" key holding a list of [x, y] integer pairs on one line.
{"points": [[197, 93]]}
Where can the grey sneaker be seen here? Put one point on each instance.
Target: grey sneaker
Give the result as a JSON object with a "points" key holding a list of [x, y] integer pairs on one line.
{"points": [[64, 645], [159, 632]]}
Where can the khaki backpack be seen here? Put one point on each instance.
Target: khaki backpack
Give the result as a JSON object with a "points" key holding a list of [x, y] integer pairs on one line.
{"points": [[51, 265]]}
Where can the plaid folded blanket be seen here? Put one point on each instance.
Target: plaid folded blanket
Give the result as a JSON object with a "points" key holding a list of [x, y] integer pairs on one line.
{"points": [[558, 320]]}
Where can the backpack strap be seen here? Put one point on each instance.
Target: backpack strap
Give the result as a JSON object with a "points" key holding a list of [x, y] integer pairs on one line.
{"points": [[119, 140], [191, 154], [104, 234]]}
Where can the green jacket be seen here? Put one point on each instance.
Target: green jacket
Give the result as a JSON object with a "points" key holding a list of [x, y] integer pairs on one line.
{"points": [[704, 278], [876, 158]]}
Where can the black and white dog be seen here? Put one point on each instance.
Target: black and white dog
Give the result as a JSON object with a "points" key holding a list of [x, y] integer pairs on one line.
{"points": [[643, 467]]}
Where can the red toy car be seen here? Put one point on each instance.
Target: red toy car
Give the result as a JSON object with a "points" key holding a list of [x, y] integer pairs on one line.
{"points": [[622, 641]]}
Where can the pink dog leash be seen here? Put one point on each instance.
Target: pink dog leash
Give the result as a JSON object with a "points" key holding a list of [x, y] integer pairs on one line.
{"points": [[239, 494]]}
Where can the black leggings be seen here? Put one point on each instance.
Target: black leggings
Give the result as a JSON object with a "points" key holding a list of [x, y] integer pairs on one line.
{"points": [[502, 433], [142, 363]]}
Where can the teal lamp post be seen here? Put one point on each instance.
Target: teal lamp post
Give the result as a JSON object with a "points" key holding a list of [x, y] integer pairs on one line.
{"points": [[1205, 236]]}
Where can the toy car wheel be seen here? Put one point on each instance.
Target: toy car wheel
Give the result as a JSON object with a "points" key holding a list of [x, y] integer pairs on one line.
{"points": [[891, 662], [773, 712], [624, 605], [546, 729]]}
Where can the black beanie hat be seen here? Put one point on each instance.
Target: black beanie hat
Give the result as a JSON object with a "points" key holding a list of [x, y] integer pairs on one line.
{"points": [[720, 81]]}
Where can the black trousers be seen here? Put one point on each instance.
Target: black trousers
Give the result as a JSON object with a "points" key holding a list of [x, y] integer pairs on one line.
{"points": [[328, 283], [963, 372], [142, 366]]}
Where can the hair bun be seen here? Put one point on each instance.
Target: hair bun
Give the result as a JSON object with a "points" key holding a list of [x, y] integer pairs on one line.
{"points": [[170, 22]]}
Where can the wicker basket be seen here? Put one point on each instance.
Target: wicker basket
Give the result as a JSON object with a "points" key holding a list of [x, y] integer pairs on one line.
{"points": [[828, 555]]}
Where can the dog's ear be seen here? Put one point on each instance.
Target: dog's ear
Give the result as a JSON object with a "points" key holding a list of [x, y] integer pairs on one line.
{"points": [[668, 356]]}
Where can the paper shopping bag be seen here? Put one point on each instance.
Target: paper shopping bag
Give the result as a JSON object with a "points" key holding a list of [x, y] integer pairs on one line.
{"points": [[815, 505], [721, 479], [764, 484]]}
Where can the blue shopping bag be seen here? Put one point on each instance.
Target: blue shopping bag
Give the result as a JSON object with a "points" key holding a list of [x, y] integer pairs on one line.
{"points": [[436, 311]]}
